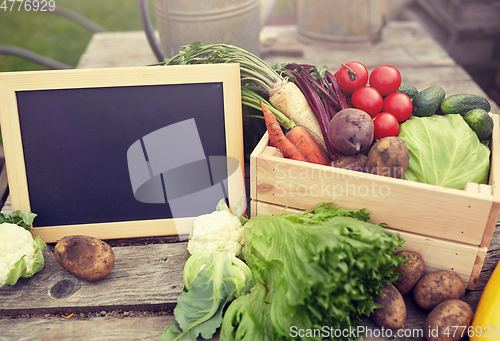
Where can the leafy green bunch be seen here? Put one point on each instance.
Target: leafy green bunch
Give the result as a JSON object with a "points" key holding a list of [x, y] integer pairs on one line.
{"points": [[319, 268]]}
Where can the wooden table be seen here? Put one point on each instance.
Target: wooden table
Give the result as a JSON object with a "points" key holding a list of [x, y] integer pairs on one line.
{"points": [[135, 300]]}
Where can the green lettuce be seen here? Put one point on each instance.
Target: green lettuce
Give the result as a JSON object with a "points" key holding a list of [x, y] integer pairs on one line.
{"points": [[320, 268], [247, 318], [21, 268], [444, 151], [212, 279]]}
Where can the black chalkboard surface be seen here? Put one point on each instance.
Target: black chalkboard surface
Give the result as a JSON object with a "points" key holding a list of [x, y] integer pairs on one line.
{"points": [[130, 152]]}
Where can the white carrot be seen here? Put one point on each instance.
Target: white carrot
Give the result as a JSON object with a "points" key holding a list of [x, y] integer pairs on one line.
{"points": [[288, 99]]}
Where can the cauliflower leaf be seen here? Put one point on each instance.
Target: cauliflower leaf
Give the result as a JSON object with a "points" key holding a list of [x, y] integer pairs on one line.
{"points": [[199, 309]]}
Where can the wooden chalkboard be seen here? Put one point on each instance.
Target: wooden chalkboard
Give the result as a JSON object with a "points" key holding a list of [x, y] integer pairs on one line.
{"points": [[120, 153]]}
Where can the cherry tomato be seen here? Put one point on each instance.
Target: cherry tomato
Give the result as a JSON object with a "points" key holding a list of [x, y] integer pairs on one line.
{"points": [[367, 99], [385, 124], [351, 76], [386, 79], [398, 104]]}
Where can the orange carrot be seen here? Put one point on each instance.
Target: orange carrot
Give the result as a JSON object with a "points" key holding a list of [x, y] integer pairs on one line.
{"points": [[308, 146], [277, 138]]}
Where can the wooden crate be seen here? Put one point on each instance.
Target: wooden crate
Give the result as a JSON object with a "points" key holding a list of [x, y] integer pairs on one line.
{"points": [[451, 228]]}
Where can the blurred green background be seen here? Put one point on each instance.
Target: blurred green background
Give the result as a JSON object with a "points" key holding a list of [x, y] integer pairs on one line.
{"points": [[56, 36]]}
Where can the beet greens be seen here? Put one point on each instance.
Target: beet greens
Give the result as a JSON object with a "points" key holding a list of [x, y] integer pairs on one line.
{"points": [[322, 92]]}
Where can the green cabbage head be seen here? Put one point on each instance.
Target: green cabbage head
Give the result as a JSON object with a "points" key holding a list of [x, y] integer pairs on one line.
{"points": [[444, 151]]}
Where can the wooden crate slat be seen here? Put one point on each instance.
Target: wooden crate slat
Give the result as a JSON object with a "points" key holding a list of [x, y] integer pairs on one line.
{"points": [[430, 210], [438, 254]]}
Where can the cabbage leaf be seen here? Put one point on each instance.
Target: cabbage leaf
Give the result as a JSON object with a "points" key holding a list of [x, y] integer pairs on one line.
{"points": [[209, 287], [444, 151]]}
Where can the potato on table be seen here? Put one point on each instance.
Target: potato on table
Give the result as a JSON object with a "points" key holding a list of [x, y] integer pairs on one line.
{"points": [[411, 271], [86, 257], [448, 321], [393, 314], [437, 287]]}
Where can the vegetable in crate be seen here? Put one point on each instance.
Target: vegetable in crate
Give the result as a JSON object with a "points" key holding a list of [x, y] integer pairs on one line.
{"points": [[322, 93], [20, 254], [388, 157], [385, 124], [386, 79], [320, 267], [481, 122], [351, 131], [351, 76], [427, 101], [368, 99], [462, 103], [219, 230], [408, 90], [297, 144], [444, 151], [211, 281]]}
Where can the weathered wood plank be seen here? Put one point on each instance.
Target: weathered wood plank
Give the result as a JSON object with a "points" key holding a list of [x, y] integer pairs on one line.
{"points": [[96, 328], [143, 277]]}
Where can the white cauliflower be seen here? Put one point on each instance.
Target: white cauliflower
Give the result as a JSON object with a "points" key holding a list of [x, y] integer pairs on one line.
{"points": [[219, 230], [20, 254]]}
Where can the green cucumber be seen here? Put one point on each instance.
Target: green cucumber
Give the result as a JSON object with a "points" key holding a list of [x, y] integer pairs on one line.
{"points": [[408, 90], [427, 101], [462, 103], [481, 122]]}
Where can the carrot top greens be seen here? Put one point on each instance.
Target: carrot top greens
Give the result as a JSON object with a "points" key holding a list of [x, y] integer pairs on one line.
{"points": [[256, 74]]}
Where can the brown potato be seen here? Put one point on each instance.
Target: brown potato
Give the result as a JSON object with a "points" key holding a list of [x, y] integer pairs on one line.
{"points": [[393, 314], [437, 287], [388, 157], [354, 162], [86, 257], [411, 271], [449, 320]]}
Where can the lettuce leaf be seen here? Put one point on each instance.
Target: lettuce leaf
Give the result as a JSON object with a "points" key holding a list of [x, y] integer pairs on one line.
{"points": [[247, 318], [320, 270], [444, 151]]}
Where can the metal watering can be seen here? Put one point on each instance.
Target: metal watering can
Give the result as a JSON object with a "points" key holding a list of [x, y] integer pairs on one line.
{"points": [[180, 22]]}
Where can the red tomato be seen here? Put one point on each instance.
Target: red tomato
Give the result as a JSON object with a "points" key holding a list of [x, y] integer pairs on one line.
{"points": [[398, 104], [367, 99], [351, 76], [385, 124], [386, 79]]}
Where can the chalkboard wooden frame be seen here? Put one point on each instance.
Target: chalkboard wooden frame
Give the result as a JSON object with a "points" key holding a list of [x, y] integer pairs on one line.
{"points": [[11, 83]]}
